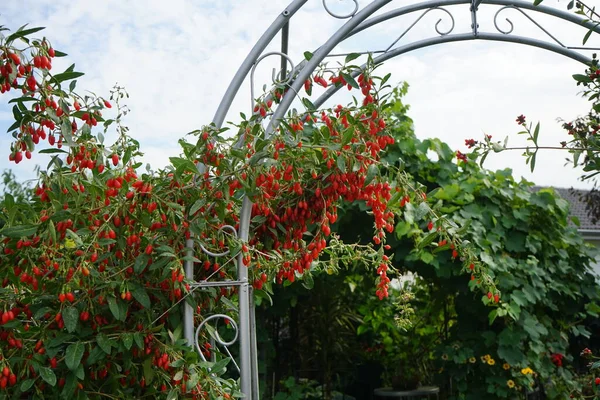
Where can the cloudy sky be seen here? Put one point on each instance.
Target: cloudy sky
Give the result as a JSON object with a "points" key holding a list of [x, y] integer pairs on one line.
{"points": [[177, 57]]}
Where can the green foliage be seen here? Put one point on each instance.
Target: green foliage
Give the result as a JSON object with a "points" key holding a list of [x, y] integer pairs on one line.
{"points": [[540, 264]]}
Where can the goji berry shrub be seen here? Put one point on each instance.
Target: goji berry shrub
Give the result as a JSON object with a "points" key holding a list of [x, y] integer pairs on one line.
{"points": [[92, 266]]}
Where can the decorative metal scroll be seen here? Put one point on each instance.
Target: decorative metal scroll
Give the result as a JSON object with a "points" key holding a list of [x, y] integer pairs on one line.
{"points": [[341, 16], [233, 232], [441, 33], [277, 79], [217, 338], [528, 17]]}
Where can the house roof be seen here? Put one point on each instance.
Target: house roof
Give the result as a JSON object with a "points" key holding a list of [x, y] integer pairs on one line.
{"points": [[577, 207]]}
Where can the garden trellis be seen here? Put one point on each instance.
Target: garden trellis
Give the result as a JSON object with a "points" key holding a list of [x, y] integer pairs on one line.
{"points": [[292, 76]]}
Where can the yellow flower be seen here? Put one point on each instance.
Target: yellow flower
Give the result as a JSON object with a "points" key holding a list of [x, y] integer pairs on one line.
{"points": [[444, 357], [70, 243], [485, 358], [526, 371], [510, 383], [472, 360], [506, 366], [491, 361]]}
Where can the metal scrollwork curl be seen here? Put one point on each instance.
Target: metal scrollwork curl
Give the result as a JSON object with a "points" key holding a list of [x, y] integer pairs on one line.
{"points": [[278, 79], [341, 16], [221, 229], [437, 25], [218, 339], [512, 26]]}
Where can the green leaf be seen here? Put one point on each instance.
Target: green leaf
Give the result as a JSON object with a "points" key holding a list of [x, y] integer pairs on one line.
{"points": [[308, 281], [536, 132], [67, 131], [114, 307], [587, 36], [26, 385], [351, 57], [9, 201], [308, 104], [140, 263], [183, 165], [80, 372], [173, 394], [348, 134], [371, 173], [22, 33], [141, 296], [148, 370], [73, 355], [427, 240], [19, 231], [139, 340], [220, 365], [65, 76], [70, 317], [196, 206], [104, 343], [47, 375], [127, 339], [350, 80], [341, 164], [308, 55], [52, 151], [582, 78]]}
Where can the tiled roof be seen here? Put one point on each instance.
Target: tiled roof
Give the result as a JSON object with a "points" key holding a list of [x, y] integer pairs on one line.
{"points": [[577, 207]]}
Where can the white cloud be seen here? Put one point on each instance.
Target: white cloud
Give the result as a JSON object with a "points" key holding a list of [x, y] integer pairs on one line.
{"points": [[176, 59]]}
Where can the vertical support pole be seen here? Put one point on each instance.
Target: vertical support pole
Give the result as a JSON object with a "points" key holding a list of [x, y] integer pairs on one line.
{"points": [[188, 311], [254, 355], [285, 34], [244, 304], [474, 23]]}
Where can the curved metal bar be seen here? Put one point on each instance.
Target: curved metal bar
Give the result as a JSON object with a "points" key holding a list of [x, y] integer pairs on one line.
{"points": [[250, 59], [318, 57], [441, 33], [497, 37], [512, 26], [217, 337], [275, 78], [221, 229], [567, 16], [343, 16]]}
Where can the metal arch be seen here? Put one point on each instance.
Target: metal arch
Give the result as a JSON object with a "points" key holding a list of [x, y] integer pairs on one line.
{"points": [[356, 22], [566, 16], [461, 37], [250, 59]]}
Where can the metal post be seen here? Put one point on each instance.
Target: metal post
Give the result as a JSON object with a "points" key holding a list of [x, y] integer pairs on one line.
{"points": [[254, 355], [244, 304], [188, 311]]}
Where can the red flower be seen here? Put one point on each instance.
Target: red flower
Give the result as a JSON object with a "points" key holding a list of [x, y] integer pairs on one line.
{"points": [[521, 119], [470, 143], [461, 156], [557, 359]]}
